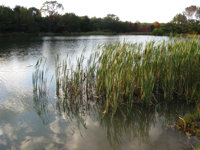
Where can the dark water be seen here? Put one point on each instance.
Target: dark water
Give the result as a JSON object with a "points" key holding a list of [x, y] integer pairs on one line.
{"points": [[29, 121]]}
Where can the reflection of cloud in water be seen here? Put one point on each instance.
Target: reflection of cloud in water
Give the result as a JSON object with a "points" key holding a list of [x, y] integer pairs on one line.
{"points": [[60, 134], [3, 142]]}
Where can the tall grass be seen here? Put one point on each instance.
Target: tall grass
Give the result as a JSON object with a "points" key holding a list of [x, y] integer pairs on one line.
{"points": [[126, 73], [39, 79]]}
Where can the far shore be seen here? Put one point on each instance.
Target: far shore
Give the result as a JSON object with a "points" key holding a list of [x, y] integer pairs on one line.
{"points": [[22, 34]]}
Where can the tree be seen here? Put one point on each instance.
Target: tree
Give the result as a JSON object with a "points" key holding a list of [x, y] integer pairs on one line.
{"points": [[111, 22], [70, 22], [190, 11], [152, 26], [6, 19], [124, 27], [34, 11], [50, 8], [180, 19], [135, 27], [36, 15], [96, 24], [85, 24], [148, 28], [157, 24], [158, 31], [197, 15]]}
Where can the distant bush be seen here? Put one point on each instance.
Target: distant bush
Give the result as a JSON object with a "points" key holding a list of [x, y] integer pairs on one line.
{"points": [[158, 32]]}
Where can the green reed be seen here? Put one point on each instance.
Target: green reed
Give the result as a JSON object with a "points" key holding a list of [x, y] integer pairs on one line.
{"points": [[127, 73], [39, 79]]}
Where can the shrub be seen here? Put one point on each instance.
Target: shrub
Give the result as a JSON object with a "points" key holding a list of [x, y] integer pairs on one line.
{"points": [[158, 32]]}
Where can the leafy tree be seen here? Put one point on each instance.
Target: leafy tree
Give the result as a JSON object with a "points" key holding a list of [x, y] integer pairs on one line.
{"points": [[70, 22], [34, 11], [157, 24], [135, 27], [198, 13], [148, 28], [190, 11], [36, 15], [96, 24], [85, 24], [26, 20], [180, 19], [44, 23], [152, 26], [56, 27], [142, 29], [17, 22], [6, 19], [111, 22], [157, 31], [193, 26], [23, 19], [124, 27], [50, 8]]}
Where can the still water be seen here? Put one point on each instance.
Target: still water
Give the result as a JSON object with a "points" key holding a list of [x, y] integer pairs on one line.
{"points": [[28, 121]]}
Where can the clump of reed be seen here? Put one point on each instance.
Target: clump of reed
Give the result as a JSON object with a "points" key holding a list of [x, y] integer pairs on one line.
{"points": [[126, 73], [39, 77]]}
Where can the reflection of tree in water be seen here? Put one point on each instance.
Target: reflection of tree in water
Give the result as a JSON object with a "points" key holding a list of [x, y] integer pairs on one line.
{"points": [[41, 106], [76, 114], [134, 127], [40, 89], [169, 112]]}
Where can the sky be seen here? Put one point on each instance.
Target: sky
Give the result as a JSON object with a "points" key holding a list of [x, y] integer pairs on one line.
{"points": [[147, 11]]}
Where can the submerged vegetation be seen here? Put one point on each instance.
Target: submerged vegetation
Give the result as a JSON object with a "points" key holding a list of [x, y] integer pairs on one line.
{"points": [[122, 74]]}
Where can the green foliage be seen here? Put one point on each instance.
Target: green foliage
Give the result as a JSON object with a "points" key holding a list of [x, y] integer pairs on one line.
{"points": [[159, 32], [190, 122], [85, 24], [152, 26], [70, 22], [6, 19], [180, 19], [50, 8], [29, 20], [111, 22], [121, 74]]}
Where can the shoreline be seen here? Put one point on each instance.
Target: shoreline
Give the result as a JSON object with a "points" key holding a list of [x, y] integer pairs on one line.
{"points": [[22, 34]]}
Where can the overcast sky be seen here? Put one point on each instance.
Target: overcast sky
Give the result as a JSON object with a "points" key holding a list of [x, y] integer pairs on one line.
{"points": [[148, 11]]}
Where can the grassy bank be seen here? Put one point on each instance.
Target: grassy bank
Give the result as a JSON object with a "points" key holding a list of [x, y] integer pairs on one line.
{"points": [[122, 74], [190, 123], [136, 33]]}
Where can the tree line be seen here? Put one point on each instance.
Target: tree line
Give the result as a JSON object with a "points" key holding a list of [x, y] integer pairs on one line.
{"points": [[30, 20]]}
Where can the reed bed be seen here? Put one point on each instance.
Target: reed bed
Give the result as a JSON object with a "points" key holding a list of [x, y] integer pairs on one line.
{"points": [[122, 74]]}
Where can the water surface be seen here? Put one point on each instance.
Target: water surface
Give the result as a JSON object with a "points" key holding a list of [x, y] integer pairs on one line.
{"points": [[30, 121]]}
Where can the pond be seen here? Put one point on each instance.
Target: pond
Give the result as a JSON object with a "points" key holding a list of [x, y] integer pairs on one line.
{"points": [[29, 121]]}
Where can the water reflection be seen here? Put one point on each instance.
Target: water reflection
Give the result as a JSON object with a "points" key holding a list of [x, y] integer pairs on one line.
{"points": [[142, 129], [46, 121], [41, 106]]}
